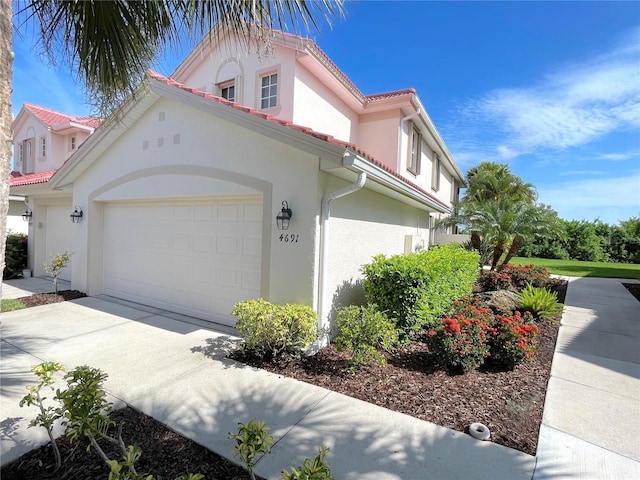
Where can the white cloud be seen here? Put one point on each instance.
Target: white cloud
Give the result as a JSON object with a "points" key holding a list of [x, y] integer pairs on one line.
{"points": [[506, 153], [610, 199], [620, 156], [572, 106]]}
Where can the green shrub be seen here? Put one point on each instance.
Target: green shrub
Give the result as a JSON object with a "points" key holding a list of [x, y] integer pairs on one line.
{"points": [[461, 342], [540, 302], [513, 277], [514, 340], [316, 469], [271, 331], [364, 331], [15, 255], [252, 440], [417, 289]]}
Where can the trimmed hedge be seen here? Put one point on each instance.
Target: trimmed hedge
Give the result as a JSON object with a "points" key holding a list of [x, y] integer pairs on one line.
{"points": [[418, 288], [15, 255], [275, 331]]}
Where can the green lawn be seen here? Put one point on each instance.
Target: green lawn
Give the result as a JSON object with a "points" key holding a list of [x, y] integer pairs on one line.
{"points": [[575, 268], [9, 304]]}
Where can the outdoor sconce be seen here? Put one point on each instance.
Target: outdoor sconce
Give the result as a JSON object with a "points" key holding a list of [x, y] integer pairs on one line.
{"points": [[284, 217], [26, 216], [76, 215]]}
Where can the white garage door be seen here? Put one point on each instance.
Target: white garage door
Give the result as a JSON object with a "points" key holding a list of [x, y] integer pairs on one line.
{"points": [[58, 229], [193, 257]]}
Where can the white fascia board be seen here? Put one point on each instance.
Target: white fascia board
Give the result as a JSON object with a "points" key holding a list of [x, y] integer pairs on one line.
{"points": [[58, 127], [391, 183], [439, 140]]}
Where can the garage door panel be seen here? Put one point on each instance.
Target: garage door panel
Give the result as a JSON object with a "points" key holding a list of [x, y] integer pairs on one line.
{"points": [[197, 258]]}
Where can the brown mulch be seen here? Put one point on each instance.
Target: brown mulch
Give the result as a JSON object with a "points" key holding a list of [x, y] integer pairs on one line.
{"points": [[164, 453], [51, 297], [510, 403]]}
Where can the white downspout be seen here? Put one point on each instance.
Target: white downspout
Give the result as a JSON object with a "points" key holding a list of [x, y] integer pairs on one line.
{"points": [[324, 226]]}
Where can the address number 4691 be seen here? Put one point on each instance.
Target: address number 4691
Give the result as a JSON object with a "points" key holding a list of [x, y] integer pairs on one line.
{"points": [[289, 238]]}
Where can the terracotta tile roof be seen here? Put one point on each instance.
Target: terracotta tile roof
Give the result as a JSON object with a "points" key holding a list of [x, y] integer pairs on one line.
{"points": [[396, 93], [292, 126], [51, 117], [30, 179]]}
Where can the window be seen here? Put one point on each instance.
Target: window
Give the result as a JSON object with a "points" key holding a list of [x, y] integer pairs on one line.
{"points": [[455, 192], [21, 153], [228, 91], [414, 154], [269, 91], [73, 143], [43, 147], [435, 174]]}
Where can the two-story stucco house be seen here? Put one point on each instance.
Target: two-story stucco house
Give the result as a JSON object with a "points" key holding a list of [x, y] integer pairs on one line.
{"points": [[43, 140], [180, 196]]}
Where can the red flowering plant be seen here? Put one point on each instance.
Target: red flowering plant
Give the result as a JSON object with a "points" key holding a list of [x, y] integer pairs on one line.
{"points": [[515, 339], [523, 275], [461, 341], [491, 280]]}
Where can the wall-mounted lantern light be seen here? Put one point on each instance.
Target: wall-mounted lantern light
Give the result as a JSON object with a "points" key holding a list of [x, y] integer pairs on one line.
{"points": [[284, 217], [76, 215], [26, 216]]}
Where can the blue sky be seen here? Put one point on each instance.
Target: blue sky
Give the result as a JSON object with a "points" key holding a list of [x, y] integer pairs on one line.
{"points": [[552, 88]]}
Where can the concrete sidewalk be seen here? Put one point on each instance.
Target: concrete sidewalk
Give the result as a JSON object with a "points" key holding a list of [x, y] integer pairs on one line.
{"points": [[174, 369], [590, 426]]}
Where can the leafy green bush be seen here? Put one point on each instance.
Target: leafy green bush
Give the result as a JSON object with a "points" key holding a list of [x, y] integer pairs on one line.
{"points": [[252, 439], [364, 331], [540, 302], [271, 331], [316, 469], [15, 255], [514, 339], [417, 289], [461, 342]]}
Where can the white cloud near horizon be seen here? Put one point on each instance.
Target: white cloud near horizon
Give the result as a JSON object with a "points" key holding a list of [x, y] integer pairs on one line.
{"points": [[571, 106], [611, 199]]}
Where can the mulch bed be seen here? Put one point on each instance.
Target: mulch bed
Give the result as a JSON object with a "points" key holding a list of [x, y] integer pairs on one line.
{"points": [[634, 289], [51, 297], [164, 453], [510, 403]]}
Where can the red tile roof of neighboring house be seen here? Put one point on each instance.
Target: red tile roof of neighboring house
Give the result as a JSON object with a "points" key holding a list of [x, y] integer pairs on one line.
{"points": [[285, 123], [397, 93], [51, 117], [30, 179]]}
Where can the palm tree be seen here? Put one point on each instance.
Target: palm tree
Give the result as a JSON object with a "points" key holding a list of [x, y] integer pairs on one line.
{"points": [[494, 181], [111, 44], [505, 224]]}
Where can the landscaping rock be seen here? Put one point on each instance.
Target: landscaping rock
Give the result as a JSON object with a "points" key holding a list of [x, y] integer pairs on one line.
{"points": [[501, 301]]}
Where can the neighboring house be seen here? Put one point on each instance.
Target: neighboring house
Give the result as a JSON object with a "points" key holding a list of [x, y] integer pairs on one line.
{"points": [[43, 140], [180, 195]]}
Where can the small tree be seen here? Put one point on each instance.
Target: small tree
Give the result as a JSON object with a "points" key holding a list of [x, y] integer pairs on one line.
{"points": [[55, 266]]}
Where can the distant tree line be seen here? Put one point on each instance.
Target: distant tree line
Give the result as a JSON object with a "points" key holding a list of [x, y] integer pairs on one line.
{"points": [[501, 214], [593, 241]]}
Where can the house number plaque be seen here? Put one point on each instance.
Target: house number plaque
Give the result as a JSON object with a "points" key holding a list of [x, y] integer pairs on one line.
{"points": [[289, 237]]}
